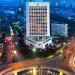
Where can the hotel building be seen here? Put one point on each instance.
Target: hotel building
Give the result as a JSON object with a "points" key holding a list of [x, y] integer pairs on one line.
{"points": [[38, 24]]}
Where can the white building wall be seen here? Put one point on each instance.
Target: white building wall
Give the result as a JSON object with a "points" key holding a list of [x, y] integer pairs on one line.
{"points": [[27, 19], [59, 29], [36, 43], [27, 16]]}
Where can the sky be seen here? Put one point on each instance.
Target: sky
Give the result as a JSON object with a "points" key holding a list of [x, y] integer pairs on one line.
{"points": [[60, 2]]}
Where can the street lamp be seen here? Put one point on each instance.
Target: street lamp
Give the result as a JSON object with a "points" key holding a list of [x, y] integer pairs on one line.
{"points": [[34, 50], [34, 71], [61, 51], [61, 55], [15, 52], [49, 72]]}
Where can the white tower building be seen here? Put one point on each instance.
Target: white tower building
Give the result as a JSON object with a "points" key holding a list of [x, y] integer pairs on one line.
{"points": [[38, 24]]}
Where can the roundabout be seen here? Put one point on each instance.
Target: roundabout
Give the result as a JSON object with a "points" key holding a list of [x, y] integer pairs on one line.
{"points": [[72, 63], [31, 67]]}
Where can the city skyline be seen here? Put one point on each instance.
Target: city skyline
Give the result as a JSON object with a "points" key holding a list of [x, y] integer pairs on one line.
{"points": [[37, 37]]}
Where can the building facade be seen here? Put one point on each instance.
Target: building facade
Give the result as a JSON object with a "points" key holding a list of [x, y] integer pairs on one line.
{"points": [[38, 19], [59, 29], [38, 22]]}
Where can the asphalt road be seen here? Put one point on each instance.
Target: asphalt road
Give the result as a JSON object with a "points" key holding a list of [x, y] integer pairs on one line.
{"points": [[32, 63], [60, 62]]}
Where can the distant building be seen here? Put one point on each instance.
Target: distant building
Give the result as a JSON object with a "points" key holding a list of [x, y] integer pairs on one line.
{"points": [[37, 0], [38, 24], [59, 29]]}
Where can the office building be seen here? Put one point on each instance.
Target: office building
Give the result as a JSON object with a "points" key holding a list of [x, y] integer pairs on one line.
{"points": [[38, 24], [59, 29]]}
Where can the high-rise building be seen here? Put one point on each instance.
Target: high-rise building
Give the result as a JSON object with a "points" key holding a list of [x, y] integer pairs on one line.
{"points": [[59, 29], [38, 23]]}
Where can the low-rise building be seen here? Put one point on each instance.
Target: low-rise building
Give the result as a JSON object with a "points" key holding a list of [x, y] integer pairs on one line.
{"points": [[59, 29]]}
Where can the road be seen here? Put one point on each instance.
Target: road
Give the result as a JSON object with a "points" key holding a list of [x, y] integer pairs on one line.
{"points": [[60, 62], [31, 63], [68, 63]]}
